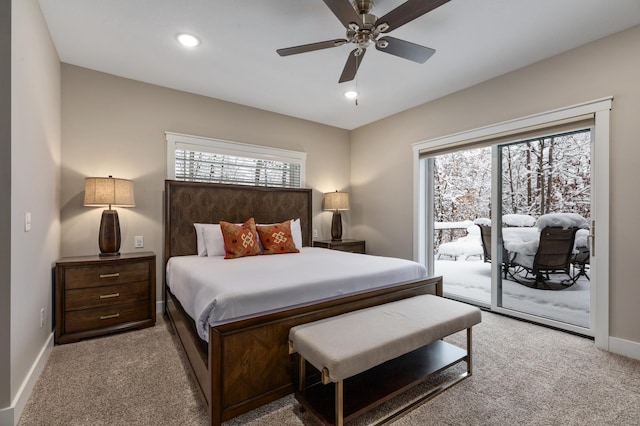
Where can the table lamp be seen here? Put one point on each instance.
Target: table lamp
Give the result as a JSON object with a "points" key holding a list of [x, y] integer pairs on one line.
{"points": [[110, 192], [336, 201]]}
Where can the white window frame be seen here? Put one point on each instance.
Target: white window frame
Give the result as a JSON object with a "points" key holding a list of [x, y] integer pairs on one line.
{"points": [[237, 149], [601, 109]]}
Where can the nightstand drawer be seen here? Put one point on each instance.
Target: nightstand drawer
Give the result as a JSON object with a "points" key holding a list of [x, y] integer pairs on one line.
{"points": [[106, 275], [89, 319], [95, 297]]}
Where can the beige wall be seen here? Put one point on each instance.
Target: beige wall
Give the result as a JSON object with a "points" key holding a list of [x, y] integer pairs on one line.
{"points": [[115, 126], [381, 154], [5, 204], [35, 188]]}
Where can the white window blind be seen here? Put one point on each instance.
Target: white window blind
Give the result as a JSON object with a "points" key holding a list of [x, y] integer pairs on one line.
{"points": [[197, 159]]}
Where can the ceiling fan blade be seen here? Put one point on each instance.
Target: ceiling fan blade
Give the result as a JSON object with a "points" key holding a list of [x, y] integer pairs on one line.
{"points": [[352, 65], [311, 47], [344, 12], [407, 12], [405, 49]]}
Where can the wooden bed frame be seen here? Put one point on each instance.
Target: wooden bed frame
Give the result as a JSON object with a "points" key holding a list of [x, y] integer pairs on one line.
{"points": [[246, 362]]}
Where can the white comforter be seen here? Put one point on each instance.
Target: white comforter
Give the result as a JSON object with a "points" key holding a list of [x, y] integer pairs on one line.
{"points": [[212, 289]]}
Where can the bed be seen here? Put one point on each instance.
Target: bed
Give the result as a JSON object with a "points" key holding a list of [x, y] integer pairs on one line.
{"points": [[245, 361]]}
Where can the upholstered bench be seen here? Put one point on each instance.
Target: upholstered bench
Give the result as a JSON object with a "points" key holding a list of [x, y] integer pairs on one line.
{"points": [[367, 352]]}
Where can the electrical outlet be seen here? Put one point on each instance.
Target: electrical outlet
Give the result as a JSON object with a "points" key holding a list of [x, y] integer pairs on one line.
{"points": [[41, 317], [139, 241], [315, 233]]}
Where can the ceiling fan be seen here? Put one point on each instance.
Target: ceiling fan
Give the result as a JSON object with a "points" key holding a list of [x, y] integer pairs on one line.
{"points": [[363, 29]]}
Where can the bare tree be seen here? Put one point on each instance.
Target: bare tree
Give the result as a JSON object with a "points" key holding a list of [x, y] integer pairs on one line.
{"points": [[538, 176]]}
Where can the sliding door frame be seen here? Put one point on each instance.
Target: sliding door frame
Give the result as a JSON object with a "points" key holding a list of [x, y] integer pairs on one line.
{"points": [[423, 214]]}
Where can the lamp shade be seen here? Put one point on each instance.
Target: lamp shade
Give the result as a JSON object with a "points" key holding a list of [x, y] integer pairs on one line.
{"points": [[109, 191], [336, 201]]}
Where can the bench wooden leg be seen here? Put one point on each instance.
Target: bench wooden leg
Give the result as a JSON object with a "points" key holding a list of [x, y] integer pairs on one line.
{"points": [[302, 374], [339, 404]]}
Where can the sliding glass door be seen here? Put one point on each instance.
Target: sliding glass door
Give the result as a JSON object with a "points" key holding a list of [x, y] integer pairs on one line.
{"points": [[555, 162], [490, 209], [544, 216], [461, 201]]}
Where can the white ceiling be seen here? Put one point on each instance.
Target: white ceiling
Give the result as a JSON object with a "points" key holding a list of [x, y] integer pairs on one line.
{"points": [[237, 61]]}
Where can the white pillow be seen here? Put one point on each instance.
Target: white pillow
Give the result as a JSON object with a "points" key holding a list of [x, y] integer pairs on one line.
{"points": [[296, 232], [202, 248], [213, 240]]}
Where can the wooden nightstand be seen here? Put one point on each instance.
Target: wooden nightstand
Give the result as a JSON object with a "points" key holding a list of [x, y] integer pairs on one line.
{"points": [[353, 246], [100, 295]]}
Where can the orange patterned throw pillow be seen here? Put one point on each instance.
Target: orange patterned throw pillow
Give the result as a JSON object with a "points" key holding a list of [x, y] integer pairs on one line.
{"points": [[276, 238], [239, 240]]}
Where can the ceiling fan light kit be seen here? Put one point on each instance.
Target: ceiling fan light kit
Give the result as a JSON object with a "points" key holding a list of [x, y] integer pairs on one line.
{"points": [[351, 94], [364, 28], [187, 40]]}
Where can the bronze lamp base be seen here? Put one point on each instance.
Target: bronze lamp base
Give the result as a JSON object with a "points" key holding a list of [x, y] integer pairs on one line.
{"points": [[109, 237], [336, 226]]}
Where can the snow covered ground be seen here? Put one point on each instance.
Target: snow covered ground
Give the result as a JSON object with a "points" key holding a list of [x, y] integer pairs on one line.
{"points": [[471, 278]]}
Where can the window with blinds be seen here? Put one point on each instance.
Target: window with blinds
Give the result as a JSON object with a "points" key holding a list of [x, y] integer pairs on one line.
{"points": [[197, 159], [201, 166]]}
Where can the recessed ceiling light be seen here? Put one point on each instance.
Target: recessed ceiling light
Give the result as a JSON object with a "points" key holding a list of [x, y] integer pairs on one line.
{"points": [[351, 94], [188, 40]]}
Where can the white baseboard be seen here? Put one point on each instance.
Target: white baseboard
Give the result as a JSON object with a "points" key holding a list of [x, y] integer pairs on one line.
{"points": [[11, 415], [624, 347], [159, 308]]}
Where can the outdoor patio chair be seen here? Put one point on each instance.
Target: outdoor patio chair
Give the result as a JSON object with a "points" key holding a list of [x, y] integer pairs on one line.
{"points": [[580, 262], [553, 256], [485, 237]]}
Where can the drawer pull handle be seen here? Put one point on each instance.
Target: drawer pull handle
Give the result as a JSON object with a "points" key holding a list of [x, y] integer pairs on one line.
{"points": [[117, 274], [109, 296], [104, 317]]}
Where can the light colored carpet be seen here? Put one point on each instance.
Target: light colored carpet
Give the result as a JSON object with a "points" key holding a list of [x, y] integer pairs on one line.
{"points": [[523, 375]]}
